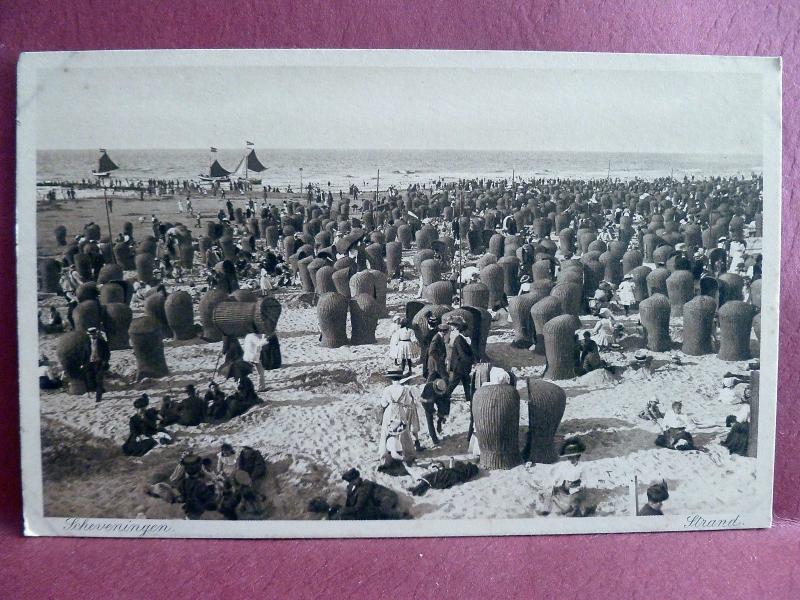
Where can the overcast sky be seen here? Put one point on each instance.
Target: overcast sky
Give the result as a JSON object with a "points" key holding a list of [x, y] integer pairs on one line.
{"points": [[400, 108]]}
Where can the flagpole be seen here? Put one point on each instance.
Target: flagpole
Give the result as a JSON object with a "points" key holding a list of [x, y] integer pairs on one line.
{"points": [[378, 187], [108, 220]]}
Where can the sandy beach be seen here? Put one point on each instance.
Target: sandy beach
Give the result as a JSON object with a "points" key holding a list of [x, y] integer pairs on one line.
{"points": [[318, 416]]}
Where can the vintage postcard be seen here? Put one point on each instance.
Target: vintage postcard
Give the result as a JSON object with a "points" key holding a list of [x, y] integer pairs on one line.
{"points": [[396, 293]]}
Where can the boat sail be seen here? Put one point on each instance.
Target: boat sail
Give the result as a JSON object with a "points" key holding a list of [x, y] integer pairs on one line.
{"points": [[104, 165], [249, 163], [216, 172]]}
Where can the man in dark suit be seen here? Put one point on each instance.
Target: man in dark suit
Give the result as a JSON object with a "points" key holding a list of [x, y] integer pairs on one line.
{"points": [[459, 364], [360, 503], [436, 360], [97, 365]]}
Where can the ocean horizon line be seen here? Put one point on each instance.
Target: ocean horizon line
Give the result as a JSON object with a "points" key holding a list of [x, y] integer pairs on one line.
{"points": [[482, 150]]}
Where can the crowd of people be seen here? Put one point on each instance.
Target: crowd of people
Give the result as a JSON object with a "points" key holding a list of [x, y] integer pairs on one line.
{"points": [[426, 370]]}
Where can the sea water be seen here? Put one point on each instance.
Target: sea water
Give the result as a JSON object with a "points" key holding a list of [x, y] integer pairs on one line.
{"points": [[341, 168]]}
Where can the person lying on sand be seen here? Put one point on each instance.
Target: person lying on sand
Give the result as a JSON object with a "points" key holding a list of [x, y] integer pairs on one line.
{"points": [[365, 500], [441, 477]]}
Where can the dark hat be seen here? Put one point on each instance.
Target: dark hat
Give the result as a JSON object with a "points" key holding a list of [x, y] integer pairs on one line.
{"points": [[142, 401], [227, 449], [573, 446], [394, 374], [351, 475], [657, 492], [433, 388], [190, 459]]}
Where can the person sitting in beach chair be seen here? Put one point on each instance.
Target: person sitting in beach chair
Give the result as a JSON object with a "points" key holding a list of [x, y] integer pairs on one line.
{"points": [[589, 357]]}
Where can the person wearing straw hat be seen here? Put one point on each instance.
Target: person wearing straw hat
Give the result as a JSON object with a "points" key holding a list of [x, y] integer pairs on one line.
{"points": [[524, 285], [436, 351], [96, 366], [626, 295], [603, 331], [399, 419], [459, 360], [435, 400], [401, 344]]}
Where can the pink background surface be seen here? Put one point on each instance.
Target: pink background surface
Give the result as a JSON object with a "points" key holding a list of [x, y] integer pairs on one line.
{"points": [[742, 564]]}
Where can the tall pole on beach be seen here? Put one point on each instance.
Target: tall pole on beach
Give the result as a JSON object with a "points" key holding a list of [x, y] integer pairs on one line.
{"points": [[378, 187], [609, 170], [301, 180], [461, 235], [108, 220]]}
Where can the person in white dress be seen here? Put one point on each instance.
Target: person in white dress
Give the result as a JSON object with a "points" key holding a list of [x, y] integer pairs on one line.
{"points": [[253, 342], [625, 291], [603, 332], [402, 347], [568, 496], [400, 420]]}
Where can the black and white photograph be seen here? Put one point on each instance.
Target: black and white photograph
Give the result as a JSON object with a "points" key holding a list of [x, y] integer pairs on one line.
{"points": [[396, 293]]}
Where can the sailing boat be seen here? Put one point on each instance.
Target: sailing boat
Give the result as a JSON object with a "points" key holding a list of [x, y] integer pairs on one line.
{"points": [[105, 165], [249, 163], [216, 172]]}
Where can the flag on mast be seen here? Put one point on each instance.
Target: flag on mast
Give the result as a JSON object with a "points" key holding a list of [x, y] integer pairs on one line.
{"points": [[213, 149], [250, 144]]}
